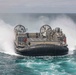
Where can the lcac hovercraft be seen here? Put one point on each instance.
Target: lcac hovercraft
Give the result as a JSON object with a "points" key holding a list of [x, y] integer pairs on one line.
{"points": [[48, 42]]}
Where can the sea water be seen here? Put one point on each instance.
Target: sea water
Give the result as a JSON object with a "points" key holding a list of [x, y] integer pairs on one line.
{"points": [[46, 65], [14, 64]]}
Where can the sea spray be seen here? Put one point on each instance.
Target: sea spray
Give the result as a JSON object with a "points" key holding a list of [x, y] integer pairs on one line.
{"points": [[68, 27], [6, 38]]}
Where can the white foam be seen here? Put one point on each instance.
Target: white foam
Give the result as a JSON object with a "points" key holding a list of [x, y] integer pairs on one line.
{"points": [[69, 28], [6, 38]]}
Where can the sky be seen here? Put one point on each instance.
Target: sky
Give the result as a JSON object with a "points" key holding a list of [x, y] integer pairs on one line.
{"points": [[37, 6]]}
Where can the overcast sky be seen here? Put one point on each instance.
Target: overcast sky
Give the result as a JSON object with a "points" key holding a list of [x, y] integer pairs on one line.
{"points": [[37, 6]]}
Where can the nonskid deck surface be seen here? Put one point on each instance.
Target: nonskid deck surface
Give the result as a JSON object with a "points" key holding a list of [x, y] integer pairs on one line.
{"points": [[43, 50]]}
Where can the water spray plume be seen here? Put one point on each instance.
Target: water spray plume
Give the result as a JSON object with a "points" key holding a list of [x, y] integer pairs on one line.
{"points": [[6, 38], [69, 28]]}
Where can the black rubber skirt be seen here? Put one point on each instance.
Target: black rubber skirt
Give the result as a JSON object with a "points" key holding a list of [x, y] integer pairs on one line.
{"points": [[43, 50]]}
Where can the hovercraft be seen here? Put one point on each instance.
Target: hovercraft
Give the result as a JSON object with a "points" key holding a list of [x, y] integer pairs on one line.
{"points": [[47, 42]]}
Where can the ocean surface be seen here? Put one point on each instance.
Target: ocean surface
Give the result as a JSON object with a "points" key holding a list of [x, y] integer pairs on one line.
{"points": [[47, 65], [14, 64]]}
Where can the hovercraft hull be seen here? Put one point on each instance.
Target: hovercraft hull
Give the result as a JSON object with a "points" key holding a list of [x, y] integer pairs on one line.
{"points": [[43, 50]]}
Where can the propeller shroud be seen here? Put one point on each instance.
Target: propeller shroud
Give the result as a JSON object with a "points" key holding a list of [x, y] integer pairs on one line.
{"points": [[44, 29], [20, 28]]}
